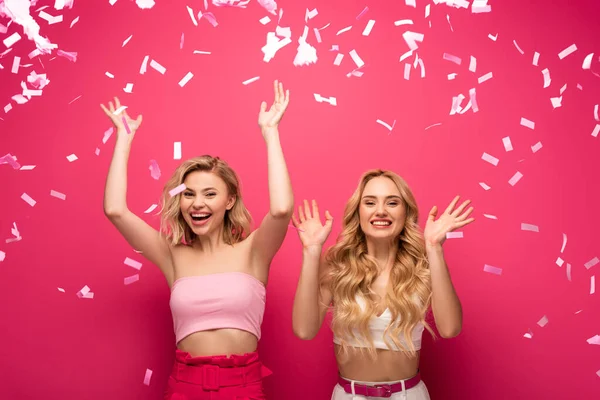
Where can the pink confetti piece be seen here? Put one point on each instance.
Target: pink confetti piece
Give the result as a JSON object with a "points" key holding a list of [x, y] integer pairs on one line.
{"points": [[269, 5], [569, 272], [431, 126], [489, 158], [69, 55], [293, 227], [131, 279], [356, 58], [388, 126], [571, 49], [594, 340], [536, 147], [562, 89], [449, 23], [151, 208], [132, 263], [2, 256], [411, 39], [363, 12], [97, 151], [484, 186], [422, 68], [517, 46], [58, 195], [369, 27], [343, 30], [10, 160], [72, 101], [596, 113], [72, 157], [485, 77], [591, 263], [317, 35], [15, 65], [3, 29], [507, 144], [564, 244], [593, 284], [154, 169], [15, 232], [536, 58], [126, 124], [248, 81], [177, 190], [338, 59], [61, 289], [587, 62], [560, 262], [27, 167], [492, 270], [596, 130], [556, 102], [210, 17], [85, 293], [473, 64], [404, 22], [490, 216], [452, 58], [186, 79], [406, 55], [407, 71], [516, 178], [126, 40], [107, 135], [144, 65], [527, 123], [7, 108], [25, 197], [191, 13], [547, 79], [529, 227], [11, 40], [543, 321], [147, 377], [158, 67], [454, 235], [201, 52], [176, 150], [74, 22]]}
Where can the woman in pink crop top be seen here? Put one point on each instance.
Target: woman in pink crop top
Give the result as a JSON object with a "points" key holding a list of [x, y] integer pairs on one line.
{"points": [[217, 270], [380, 279]]}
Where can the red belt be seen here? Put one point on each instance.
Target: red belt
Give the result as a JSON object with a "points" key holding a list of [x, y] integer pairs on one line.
{"points": [[378, 390], [213, 377]]}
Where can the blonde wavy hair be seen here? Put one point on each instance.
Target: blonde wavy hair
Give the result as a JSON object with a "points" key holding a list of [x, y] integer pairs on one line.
{"points": [[172, 224], [352, 272]]}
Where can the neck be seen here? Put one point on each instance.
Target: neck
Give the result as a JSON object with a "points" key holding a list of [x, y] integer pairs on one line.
{"points": [[384, 252], [211, 242]]}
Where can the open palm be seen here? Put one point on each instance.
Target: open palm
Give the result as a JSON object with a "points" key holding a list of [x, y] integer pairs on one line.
{"points": [[272, 117], [310, 229], [122, 122], [435, 231]]}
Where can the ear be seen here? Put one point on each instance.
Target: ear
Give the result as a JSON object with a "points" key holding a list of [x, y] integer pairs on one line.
{"points": [[231, 202]]}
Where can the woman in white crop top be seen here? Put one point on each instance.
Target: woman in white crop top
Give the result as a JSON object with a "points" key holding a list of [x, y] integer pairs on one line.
{"points": [[380, 278]]}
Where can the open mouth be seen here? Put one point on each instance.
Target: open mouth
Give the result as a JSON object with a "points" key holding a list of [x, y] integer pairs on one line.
{"points": [[200, 217], [381, 223]]}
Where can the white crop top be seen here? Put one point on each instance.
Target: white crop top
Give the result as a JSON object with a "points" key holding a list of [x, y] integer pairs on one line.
{"points": [[377, 326]]}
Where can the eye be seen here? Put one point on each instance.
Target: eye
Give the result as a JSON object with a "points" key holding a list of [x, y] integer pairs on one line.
{"points": [[211, 194], [188, 194], [370, 203], [393, 203]]}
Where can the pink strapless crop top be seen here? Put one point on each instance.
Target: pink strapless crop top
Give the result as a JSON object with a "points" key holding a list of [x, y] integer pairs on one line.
{"points": [[228, 300]]}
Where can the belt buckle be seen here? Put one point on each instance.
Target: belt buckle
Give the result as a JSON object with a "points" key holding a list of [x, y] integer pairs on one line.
{"points": [[210, 377], [382, 391]]}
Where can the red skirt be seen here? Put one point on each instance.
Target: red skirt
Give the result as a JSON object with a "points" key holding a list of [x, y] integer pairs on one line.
{"points": [[238, 377]]}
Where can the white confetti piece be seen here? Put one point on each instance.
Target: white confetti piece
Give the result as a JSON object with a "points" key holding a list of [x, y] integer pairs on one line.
{"points": [[25, 197], [74, 22], [556, 102], [407, 71], [593, 284], [479, 6], [484, 186], [15, 65], [61, 290], [489, 158], [449, 23], [536, 147], [517, 46], [569, 272], [454, 235], [177, 190], [356, 58], [97, 151], [330, 100], [473, 64], [547, 79], [492, 37], [536, 58], [490, 216], [145, 4], [591, 263], [151, 208], [528, 335], [452, 58], [507, 144], [201, 52], [131, 279], [562, 89], [58, 195], [516, 178], [305, 53], [158, 67], [119, 110], [265, 20], [596, 117], [338, 59], [403, 22], [128, 88], [527, 123], [406, 55], [543, 321], [346, 29], [177, 150], [369, 27], [2, 256], [85, 293], [560, 262], [107, 135], [571, 49], [144, 65], [587, 62], [273, 45], [594, 340], [132, 263], [147, 377], [473, 100], [109, 75], [317, 35], [596, 130], [411, 39], [452, 76], [389, 128], [492, 270], [431, 126], [564, 244], [427, 10], [11, 40], [27, 167], [126, 40], [191, 13], [7, 108], [248, 81], [529, 227], [186, 79], [411, 3], [485, 77], [72, 101], [72, 157], [422, 67]]}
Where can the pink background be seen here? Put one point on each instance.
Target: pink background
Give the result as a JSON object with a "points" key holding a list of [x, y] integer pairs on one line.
{"points": [[55, 345]]}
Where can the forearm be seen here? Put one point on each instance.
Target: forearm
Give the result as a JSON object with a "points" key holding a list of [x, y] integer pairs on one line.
{"points": [[115, 191], [306, 311], [445, 303], [281, 197]]}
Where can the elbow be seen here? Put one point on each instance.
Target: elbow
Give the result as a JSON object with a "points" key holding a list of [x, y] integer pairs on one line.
{"points": [[303, 334], [450, 332], [282, 212], [113, 212]]}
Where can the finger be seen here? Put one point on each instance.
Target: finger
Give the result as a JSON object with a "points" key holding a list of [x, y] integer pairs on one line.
{"points": [[281, 93], [276, 91], [315, 210], [105, 110], [263, 106], [111, 107], [307, 209], [117, 102], [465, 214], [463, 223], [433, 213], [138, 121], [287, 97], [301, 214], [295, 221], [452, 205], [328, 220], [460, 209]]}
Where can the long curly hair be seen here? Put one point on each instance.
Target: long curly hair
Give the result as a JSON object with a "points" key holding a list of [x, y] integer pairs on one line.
{"points": [[352, 272], [173, 225]]}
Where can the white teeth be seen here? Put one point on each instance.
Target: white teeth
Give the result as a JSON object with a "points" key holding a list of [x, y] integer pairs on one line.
{"points": [[200, 215], [382, 223]]}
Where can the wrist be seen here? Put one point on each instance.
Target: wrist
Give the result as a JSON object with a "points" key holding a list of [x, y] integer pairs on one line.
{"points": [[433, 247], [312, 250]]}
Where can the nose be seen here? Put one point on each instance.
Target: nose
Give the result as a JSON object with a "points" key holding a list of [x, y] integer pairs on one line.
{"points": [[380, 210], [198, 202]]}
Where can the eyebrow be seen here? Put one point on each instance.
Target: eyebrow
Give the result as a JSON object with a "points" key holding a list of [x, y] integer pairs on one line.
{"points": [[203, 190], [388, 197]]}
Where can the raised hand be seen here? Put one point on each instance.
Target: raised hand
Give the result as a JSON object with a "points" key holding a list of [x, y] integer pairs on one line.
{"points": [[435, 231], [123, 123], [270, 119], [312, 233]]}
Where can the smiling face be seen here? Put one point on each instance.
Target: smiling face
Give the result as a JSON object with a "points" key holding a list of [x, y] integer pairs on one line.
{"points": [[381, 211], [205, 201]]}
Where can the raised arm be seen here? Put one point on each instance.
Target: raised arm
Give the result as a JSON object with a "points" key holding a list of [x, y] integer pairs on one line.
{"points": [[267, 239], [313, 297], [445, 303], [137, 232]]}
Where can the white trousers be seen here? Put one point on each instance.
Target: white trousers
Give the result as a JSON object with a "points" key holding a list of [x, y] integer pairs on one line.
{"points": [[418, 392]]}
